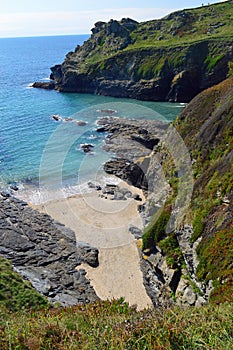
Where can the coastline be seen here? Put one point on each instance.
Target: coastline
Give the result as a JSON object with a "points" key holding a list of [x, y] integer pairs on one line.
{"points": [[104, 223]]}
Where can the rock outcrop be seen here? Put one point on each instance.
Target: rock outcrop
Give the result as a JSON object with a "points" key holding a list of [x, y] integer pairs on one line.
{"points": [[171, 59], [45, 252], [191, 261]]}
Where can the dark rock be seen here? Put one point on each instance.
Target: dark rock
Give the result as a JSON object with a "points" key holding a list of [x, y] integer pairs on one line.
{"points": [[147, 140], [137, 197], [101, 129], [91, 184], [137, 232], [129, 23], [88, 254], [16, 241], [56, 117], [110, 189], [44, 252], [81, 122], [44, 85], [98, 27], [87, 147], [127, 171], [14, 187], [5, 194], [119, 196]]}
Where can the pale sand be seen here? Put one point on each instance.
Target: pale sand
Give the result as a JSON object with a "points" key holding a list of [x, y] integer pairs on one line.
{"points": [[104, 224]]}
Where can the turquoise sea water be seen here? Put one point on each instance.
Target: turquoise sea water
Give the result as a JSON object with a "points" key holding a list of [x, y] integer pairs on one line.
{"points": [[36, 151]]}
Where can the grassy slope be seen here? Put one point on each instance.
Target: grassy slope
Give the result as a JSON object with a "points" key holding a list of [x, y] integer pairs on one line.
{"points": [[178, 30], [15, 293], [104, 325], [206, 126], [113, 325], [201, 23], [210, 141]]}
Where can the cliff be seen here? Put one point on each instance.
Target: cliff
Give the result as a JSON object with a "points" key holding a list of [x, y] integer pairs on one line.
{"points": [[185, 170], [171, 59], [203, 238]]}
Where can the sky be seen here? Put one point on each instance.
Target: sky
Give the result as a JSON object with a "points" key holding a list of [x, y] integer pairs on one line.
{"points": [[19, 18]]}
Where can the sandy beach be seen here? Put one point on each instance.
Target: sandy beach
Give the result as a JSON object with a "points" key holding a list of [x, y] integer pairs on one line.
{"points": [[104, 223]]}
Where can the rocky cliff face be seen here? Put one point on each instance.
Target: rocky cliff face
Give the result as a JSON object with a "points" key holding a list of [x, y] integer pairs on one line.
{"points": [[187, 260], [204, 236], [171, 59]]}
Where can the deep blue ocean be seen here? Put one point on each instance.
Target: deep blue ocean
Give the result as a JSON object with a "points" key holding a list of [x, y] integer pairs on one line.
{"points": [[37, 153]]}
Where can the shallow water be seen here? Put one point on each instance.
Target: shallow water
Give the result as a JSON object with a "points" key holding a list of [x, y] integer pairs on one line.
{"points": [[39, 154]]}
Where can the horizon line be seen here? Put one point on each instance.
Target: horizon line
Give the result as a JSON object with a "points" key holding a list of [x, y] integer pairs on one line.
{"points": [[41, 36]]}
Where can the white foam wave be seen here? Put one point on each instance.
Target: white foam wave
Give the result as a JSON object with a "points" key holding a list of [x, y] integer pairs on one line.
{"points": [[29, 86], [40, 195]]}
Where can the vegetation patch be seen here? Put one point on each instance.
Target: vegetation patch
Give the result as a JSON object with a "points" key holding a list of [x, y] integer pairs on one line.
{"points": [[115, 325], [216, 263], [170, 247], [156, 230], [212, 61], [15, 293]]}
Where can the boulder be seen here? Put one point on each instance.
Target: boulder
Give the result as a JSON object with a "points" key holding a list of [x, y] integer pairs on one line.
{"points": [[87, 147], [44, 85]]}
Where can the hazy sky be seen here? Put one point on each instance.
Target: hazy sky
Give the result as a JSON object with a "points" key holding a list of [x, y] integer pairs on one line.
{"points": [[58, 17]]}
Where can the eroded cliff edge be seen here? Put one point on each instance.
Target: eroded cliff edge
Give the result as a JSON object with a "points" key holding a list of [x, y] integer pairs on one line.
{"points": [[171, 59]]}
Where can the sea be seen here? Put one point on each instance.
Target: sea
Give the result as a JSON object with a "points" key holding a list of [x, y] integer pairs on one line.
{"points": [[41, 158]]}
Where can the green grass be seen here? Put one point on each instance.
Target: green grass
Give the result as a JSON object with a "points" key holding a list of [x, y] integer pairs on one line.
{"points": [[155, 231], [15, 293], [198, 27], [169, 45], [212, 61], [171, 249], [114, 325], [213, 175]]}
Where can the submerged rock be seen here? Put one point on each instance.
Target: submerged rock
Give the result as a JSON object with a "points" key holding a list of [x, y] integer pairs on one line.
{"points": [[87, 147], [44, 85]]}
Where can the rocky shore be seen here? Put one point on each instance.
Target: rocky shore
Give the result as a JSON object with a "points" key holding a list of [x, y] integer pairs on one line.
{"points": [[45, 252], [134, 143], [138, 161]]}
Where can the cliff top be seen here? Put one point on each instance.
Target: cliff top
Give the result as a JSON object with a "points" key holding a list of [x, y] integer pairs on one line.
{"points": [[179, 28]]}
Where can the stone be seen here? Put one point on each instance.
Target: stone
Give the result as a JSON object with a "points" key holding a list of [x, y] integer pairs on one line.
{"points": [[81, 122], [87, 147], [14, 187], [189, 297], [136, 197], [137, 232], [5, 194], [56, 117]]}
